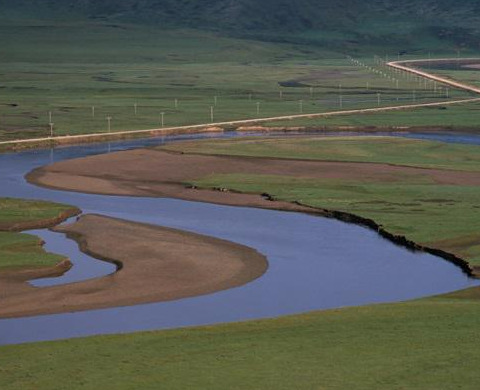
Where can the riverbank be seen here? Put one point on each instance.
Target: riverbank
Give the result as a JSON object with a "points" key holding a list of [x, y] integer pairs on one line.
{"points": [[406, 199], [22, 255], [154, 264]]}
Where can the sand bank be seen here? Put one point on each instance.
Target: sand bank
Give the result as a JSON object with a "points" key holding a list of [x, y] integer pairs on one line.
{"points": [[155, 264]]}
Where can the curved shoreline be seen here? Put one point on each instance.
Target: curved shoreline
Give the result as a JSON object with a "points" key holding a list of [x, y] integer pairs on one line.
{"points": [[64, 176], [41, 224], [155, 264]]}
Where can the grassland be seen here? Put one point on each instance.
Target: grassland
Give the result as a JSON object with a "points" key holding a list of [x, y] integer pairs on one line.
{"points": [[438, 215], [387, 150], [19, 250], [462, 117], [78, 74], [424, 345]]}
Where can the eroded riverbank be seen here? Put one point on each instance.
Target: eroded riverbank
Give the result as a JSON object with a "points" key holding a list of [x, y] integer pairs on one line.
{"points": [[154, 264]]}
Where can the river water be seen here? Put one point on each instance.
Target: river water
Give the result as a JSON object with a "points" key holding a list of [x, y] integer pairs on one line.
{"points": [[314, 263]]}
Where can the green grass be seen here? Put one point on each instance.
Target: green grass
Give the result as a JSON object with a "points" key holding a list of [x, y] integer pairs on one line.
{"points": [[66, 69], [458, 117], [18, 250], [398, 151], [18, 211], [442, 216], [424, 345]]}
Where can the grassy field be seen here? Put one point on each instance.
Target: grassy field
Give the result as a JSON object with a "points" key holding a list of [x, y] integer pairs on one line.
{"points": [[458, 117], [19, 250], [429, 213], [76, 75], [424, 345]]}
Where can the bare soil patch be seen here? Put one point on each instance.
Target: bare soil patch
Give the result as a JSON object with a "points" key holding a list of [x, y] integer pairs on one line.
{"points": [[155, 264], [151, 172]]}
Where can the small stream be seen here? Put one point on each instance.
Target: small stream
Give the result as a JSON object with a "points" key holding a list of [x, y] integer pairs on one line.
{"points": [[315, 263]]}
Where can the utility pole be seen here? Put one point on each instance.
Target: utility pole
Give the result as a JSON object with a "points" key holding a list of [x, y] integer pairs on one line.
{"points": [[211, 114], [49, 116], [162, 118], [176, 103], [51, 129], [379, 99], [135, 108], [109, 120], [93, 111]]}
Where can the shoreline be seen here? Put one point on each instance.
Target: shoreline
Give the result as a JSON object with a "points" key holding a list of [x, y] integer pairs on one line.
{"points": [[40, 224], [177, 190], [154, 264], [86, 139]]}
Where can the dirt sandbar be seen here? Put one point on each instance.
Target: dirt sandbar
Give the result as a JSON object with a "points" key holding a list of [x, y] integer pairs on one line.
{"points": [[155, 264]]}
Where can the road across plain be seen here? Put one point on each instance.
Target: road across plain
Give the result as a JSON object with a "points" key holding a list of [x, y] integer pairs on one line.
{"points": [[401, 65]]}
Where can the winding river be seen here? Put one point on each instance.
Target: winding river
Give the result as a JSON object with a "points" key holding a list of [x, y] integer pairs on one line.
{"points": [[315, 263]]}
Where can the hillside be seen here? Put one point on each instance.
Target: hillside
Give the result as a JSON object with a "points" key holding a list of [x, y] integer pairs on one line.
{"points": [[348, 24]]}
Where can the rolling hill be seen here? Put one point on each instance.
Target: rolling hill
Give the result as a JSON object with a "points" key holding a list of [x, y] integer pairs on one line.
{"points": [[349, 23]]}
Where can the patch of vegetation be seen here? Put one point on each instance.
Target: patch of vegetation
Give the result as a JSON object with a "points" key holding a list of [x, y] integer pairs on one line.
{"points": [[18, 250], [458, 117], [19, 212], [376, 149]]}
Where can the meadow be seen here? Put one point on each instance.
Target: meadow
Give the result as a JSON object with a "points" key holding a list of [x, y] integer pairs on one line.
{"points": [[82, 73], [20, 250], [76, 76]]}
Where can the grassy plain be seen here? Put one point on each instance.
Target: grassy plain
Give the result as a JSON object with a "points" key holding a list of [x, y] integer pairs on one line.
{"points": [[19, 250], [438, 215], [457, 117], [423, 345], [84, 72]]}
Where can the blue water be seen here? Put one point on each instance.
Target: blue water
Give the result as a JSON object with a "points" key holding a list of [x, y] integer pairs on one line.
{"points": [[314, 263]]}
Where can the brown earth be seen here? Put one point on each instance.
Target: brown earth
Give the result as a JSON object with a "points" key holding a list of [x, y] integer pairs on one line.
{"points": [[155, 264], [155, 172]]}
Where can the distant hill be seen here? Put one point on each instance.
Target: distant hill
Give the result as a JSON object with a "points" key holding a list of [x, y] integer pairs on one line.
{"points": [[347, 23]]}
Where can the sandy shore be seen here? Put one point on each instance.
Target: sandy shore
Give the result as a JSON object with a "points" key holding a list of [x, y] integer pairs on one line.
{"points": [[156, 172], [156, 264]]}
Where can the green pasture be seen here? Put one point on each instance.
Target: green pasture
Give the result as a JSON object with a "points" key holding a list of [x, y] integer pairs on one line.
{"points": [[77, 75], [376, 149], [19, 250], [422, 345], [457, 117], [24, 250]]}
